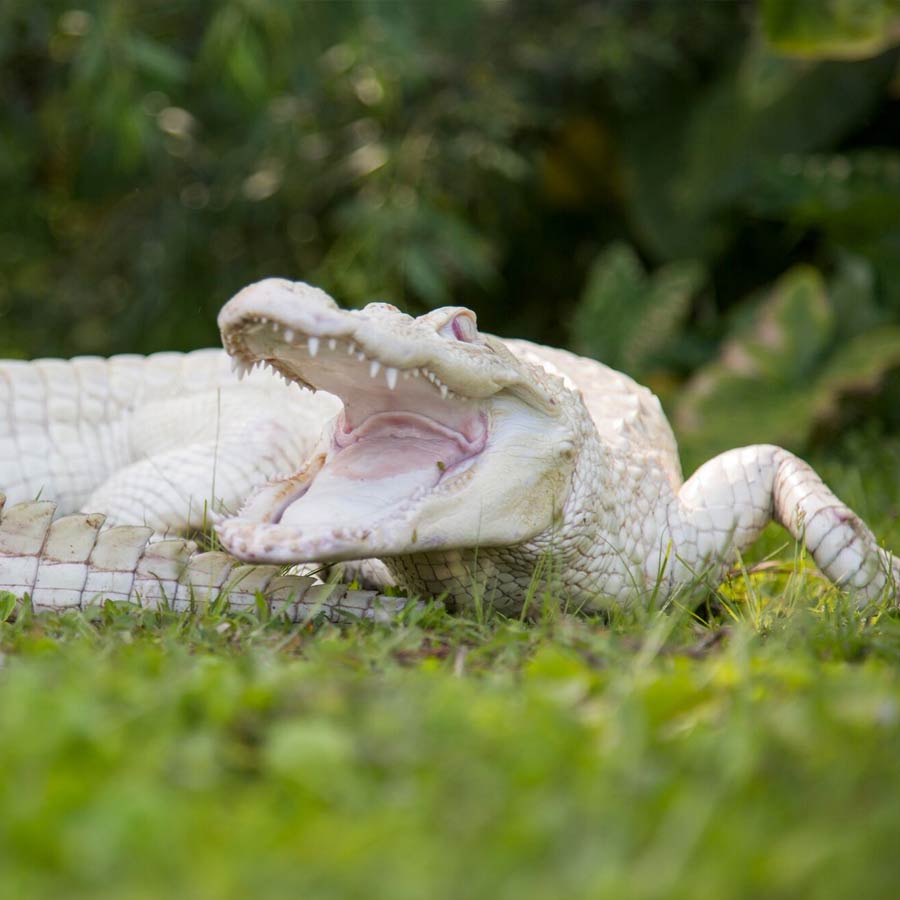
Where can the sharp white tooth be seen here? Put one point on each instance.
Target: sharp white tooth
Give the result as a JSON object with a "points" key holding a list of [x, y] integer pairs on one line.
{"points": [[289, 335], [351, 348], [312, 344], [332, 343], [374, 368], [443, 391], [276, 326], [361, 356], [390, 375]]}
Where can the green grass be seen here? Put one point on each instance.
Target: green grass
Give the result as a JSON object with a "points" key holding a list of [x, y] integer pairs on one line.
{"points": [[210, 756], [751, 753]]}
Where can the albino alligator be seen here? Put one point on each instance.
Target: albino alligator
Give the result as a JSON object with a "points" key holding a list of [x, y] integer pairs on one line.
{"points": [[465, 463]]}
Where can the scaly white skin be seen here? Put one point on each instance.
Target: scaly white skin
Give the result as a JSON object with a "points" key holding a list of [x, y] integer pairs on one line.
{"points": [[470, 465], [160, 440], [72, 562], [566, 475]]}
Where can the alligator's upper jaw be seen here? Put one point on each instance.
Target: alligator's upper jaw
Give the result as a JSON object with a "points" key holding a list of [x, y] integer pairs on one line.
{"points": [[402, 437]]}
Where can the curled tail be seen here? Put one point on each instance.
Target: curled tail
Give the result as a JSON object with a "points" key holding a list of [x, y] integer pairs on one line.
{"points": [[728, 501], [154, 440], [71, 562]]}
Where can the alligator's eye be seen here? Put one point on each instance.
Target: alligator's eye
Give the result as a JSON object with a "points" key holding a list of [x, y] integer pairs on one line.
{"points": [[462, 327]]}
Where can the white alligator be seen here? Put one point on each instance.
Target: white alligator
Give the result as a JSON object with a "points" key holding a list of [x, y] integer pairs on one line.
{"points": [[467, 464]]}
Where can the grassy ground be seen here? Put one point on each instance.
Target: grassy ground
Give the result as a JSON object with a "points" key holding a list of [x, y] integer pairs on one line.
{"points": [[751, 752]]}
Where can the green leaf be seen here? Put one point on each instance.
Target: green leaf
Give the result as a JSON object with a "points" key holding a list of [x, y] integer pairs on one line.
{"points": [[157, 60], [831, 29], [852, 197], [425, 276], [246, 65], [8, 603], [858, 367], [795, 327], [624, 317], [786, 370], [756, 390], [852, 293], [701, 156]]}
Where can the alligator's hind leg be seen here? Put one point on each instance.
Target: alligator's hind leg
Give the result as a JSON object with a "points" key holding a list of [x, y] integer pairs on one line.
{"points": [[728, 501]]}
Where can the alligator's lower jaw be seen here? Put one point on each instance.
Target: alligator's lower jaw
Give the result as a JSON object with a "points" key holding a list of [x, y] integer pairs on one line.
{"points": [[361, 498], [341, 516], [402, 437], [379, 471]]}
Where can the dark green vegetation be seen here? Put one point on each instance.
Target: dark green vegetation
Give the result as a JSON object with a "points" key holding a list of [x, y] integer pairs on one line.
{"points": [[706, 194]]}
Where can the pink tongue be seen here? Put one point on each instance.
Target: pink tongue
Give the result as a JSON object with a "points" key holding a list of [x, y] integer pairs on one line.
{"points": [[364, 482]]}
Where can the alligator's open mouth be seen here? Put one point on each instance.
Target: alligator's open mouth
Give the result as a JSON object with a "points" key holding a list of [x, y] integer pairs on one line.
{"points": [[402, 434], [431, 409]]}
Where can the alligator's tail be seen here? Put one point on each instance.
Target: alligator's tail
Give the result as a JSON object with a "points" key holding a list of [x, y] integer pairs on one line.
{"points": [[71, 562], [61, 421]]}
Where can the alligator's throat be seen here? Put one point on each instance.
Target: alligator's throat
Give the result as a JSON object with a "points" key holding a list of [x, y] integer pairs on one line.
{"points": [[381, 468]]}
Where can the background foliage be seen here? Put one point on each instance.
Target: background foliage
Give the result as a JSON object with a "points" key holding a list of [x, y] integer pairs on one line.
{"points": [[705, 194]]}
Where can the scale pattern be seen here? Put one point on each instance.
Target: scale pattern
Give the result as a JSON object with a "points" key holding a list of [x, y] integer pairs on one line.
{"points": [[157, 440], [144, 439], [73, 561]]}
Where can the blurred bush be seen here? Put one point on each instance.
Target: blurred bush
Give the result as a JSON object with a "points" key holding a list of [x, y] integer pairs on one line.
{"points": [[785, 370], [634, 179]]}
